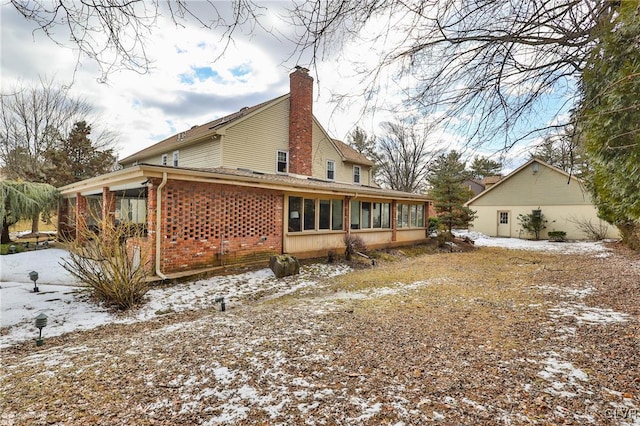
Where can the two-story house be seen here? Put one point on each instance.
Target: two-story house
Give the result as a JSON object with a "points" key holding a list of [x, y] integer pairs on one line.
{"points": [[265, 180]]}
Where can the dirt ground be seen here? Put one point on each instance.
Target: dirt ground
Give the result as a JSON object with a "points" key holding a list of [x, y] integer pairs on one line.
{"points": [[481, 337]]}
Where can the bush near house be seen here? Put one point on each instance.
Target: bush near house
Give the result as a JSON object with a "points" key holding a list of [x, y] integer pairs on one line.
{"points": [[557, 235], [113, 274], [533, 223]]}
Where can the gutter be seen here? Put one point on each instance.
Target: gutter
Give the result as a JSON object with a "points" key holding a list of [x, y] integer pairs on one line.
{"points": [[158, 226]]}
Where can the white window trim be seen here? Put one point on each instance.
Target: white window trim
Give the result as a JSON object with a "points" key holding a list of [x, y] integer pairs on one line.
{"points": [[278, 161], [359, 174], [334, 170], [165, 159], [176, 158]]}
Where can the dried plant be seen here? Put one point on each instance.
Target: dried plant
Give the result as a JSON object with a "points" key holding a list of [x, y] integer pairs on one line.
{"points": [[593, 231], [353, 244], [114, 272]]}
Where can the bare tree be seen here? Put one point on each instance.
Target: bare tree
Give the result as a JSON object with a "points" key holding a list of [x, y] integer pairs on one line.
{"points": [[33, 120], [488, 64], [403, 155], [114, 34]]}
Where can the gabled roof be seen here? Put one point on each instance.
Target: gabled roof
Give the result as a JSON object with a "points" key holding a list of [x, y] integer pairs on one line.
{"points": [[351, 155], [196, 133], [516, 171]]}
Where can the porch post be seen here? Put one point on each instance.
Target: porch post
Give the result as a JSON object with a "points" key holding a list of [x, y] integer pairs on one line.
{"points": [[108, 209], [151, 221], [82, 216], [394, 222], [347, 215], [426, 218]]}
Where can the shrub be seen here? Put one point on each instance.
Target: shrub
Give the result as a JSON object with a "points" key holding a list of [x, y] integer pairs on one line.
{"points": [[557, 235], [5, 248], [111, 272], [533, 223], [592, 231], [353, 244], [444, 237], [434, 224]]}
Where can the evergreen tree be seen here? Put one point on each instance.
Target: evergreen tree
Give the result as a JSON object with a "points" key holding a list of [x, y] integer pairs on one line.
{"points": [[365, 145], [446, 176], [610, 117], [482, 167], [24, 200], [564, 151], [76, 158]]}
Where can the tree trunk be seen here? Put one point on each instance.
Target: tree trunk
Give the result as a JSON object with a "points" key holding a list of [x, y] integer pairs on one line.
{"points": [[35, 223], [5, 239]]}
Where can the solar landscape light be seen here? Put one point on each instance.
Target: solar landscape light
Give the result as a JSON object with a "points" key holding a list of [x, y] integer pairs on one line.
{"points": [[12, 249], [220, 300], [41, 322], [33, 276]]}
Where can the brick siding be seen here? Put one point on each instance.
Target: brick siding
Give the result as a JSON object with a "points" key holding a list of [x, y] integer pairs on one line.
{"points": [[205, 225]]}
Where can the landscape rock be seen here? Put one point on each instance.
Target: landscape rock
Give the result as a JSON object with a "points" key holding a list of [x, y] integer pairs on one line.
{"points": [[284, 265]]}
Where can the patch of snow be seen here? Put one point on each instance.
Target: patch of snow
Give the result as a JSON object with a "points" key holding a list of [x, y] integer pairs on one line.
{"points": [[588, 314], [368, 410], [569, 247], [69, 309]]}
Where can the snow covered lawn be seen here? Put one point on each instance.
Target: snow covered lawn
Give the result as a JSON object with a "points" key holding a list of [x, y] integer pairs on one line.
{"points": [[492, 336]]}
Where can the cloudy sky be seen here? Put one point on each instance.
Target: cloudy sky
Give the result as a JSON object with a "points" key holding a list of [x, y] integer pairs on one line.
{"points": [[193, 77]]}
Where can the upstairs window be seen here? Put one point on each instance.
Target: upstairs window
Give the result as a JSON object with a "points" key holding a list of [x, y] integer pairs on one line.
{"points": [[331, 170], [356, 174], [282, 162], [175, 158], [164, 160]]}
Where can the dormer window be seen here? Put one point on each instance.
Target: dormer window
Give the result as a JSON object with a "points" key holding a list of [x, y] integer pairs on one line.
{"points": [[331, 170], [282, 162], [164, 159], [356, 174]]}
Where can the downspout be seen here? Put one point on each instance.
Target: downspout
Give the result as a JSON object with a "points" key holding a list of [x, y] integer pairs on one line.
{"points": [[158, 225]]}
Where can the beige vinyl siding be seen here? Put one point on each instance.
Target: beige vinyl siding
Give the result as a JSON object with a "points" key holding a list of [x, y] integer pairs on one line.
{"points": [[323, 150], [546, 187], [204, 154], [272, 126], [562, 200], [201, 155], [559, 218]]}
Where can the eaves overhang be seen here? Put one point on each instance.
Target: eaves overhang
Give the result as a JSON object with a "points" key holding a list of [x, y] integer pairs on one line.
{"points": [[138, 176]]}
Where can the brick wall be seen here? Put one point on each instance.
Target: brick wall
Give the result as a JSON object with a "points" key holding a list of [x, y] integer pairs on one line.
{"points": [[300, 122], [207, 225]]}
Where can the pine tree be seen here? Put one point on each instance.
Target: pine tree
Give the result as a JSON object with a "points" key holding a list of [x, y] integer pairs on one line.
{"points": [[482, 167], [446, 176], [76, 158], [610, 117]]}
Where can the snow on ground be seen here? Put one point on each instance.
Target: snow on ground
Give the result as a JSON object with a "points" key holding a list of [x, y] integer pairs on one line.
{"points": [[69, 309], [567, 247]]}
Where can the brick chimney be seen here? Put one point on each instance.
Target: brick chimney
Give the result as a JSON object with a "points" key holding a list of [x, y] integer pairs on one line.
{"points": [[300, 121]]}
